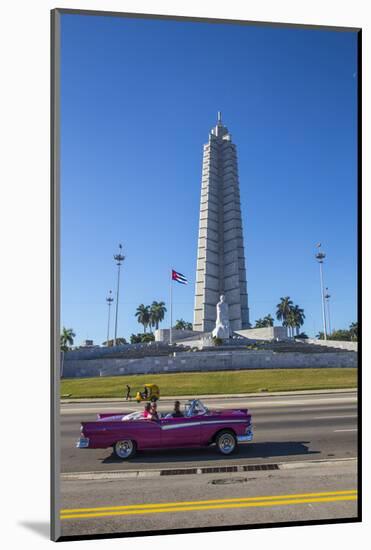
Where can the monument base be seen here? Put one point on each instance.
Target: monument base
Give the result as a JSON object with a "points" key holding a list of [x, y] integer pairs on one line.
{"points": [[266, 333], [163, 335]]}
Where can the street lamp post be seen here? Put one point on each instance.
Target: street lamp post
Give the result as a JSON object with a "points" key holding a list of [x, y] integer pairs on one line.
{"points": [[320, 256], [109, 301], [327, 298], [119, 258]]}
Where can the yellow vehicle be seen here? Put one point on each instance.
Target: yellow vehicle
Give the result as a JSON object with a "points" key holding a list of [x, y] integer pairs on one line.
{"points": [[151, 393]]}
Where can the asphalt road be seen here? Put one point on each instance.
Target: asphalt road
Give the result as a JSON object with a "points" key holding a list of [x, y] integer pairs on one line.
{"points": [[308, 441], [319, 492], [286, 428]]}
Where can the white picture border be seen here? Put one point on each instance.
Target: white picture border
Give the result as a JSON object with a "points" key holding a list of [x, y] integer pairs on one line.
{"points": [[25, 280]]}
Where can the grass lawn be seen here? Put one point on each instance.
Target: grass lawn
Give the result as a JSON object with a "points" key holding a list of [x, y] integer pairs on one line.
{"points": [[199, 383]]}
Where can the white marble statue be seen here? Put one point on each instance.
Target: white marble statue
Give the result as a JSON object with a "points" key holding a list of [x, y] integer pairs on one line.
{"points": [[222, 328]]}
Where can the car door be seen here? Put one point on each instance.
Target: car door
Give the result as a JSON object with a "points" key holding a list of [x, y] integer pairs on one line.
{"points": [[147, 433], [180, 431]]}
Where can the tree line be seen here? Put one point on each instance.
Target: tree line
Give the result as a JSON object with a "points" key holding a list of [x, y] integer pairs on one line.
{"points": [[292, 316], [350, 335], [150, 316]]}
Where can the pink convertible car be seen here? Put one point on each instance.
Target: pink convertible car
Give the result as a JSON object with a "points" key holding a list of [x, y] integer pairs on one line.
{"points": [[199, 427]]}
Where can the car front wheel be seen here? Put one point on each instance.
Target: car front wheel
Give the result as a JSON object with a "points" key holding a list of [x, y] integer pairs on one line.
{"points": [[226, 442], [125, 449]]}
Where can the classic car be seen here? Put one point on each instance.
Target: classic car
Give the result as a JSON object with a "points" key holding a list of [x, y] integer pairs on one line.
{"points": [[199, 427]]}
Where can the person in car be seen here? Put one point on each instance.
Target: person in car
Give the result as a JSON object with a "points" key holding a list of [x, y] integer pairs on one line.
{"points": [[177, 411], [153, 411], [147, 411]]}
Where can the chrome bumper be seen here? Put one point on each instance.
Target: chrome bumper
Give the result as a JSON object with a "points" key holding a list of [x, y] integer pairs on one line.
{"points": [[247, 437], [82, 443]]}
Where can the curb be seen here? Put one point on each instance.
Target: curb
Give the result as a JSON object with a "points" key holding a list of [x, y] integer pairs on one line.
{"points": [[119, 474], [211, 396]]}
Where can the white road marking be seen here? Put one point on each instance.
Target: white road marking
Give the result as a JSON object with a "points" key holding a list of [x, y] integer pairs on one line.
{"points": [[329, 407], [335, 416], [347, 430]]}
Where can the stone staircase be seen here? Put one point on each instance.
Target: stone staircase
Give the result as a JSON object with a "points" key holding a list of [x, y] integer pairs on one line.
{"points": [[298, 347]]}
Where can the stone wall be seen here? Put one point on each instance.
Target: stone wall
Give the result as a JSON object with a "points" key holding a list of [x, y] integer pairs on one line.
{"points": [[163, 334], [266, 333], [208, 361], [128, 350]]}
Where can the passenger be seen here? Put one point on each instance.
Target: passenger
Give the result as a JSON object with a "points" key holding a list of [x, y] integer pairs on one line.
{"points": [[145, 393], [177, 411], [147, 411], [154, 413]]}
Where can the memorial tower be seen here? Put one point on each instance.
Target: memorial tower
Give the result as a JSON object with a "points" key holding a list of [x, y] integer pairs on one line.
{"points": [[220, 256]]}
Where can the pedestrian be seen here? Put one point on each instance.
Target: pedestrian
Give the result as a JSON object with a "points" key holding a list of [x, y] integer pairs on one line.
{"points": [[128, 389]]}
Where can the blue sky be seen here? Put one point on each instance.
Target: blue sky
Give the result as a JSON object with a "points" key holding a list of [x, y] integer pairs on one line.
{"points": [[138, 99]]}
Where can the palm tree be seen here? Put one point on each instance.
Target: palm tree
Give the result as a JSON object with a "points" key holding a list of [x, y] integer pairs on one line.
{"points": [[294, 320], [268, 320], [283, 310], [181, 324], [259, 323], [298, 318], [67, 337], [291, 322], [157, 313], [143, 315]]}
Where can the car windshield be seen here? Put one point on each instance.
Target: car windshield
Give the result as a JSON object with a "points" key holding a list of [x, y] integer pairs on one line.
{"points": [[195, 407]]}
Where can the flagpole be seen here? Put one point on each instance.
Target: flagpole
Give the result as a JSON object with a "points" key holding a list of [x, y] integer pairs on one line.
{"points": [[171, 307]]}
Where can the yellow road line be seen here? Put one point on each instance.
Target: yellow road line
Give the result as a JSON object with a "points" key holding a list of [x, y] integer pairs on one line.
{"points": [[214, 507], [183, 503], [209, 504]]}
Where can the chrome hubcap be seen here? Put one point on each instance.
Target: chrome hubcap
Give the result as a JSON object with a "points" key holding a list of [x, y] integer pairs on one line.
{"points": [[124, 448], [226, 443]]}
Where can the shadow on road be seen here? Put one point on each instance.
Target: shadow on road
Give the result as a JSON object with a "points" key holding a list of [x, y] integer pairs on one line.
{"points": [[254, 450]]}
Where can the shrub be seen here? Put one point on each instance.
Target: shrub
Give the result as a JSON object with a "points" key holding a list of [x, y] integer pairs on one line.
{"points": [[217, 341]]}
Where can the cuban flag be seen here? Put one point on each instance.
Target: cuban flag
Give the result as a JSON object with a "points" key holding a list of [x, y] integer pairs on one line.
{"points": [[178, 277]]}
